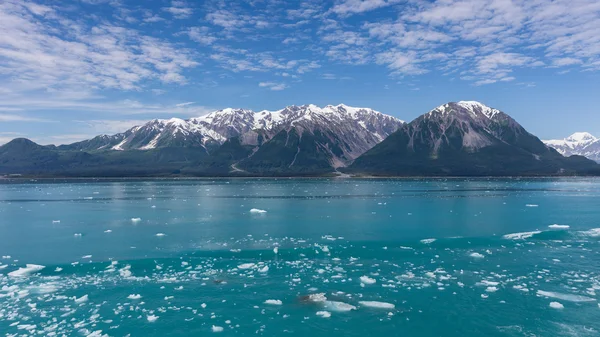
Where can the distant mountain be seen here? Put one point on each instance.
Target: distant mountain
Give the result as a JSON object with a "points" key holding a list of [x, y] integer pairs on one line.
{"points": [[579, 143], [296, 140], [466, 138]]}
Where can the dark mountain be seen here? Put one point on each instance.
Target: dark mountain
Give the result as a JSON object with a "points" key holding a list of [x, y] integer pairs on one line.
{"points": [[466, 138], [462, 139]]}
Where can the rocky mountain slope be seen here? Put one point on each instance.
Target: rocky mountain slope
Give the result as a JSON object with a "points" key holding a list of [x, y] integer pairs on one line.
{"points": [[465, 138], [579, 143], [296, 140]]}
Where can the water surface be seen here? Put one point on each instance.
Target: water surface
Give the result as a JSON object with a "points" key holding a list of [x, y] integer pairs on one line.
{"points": [[454, 257]]}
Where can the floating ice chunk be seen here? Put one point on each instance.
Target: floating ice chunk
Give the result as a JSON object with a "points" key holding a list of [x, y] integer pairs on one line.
{"points": [[28, 270], [532, 205], [55, 221], [338, 306], [217, 328], [134, 220], [203, 305], [97, 333], [376, 304], [491, 289], [151, 318], [160, 234], [559, 226], [258, 211], [556, 305], [58, 269], [317, 298], [324, 314], [247, 265], [477, 255], [77, 235], [134, 296], [428, 241], [520, 236], [108, 231], [264, 269], [367, 280], [81, 299], [276, 250], [565, 297], [273, 302], [86, 257]]}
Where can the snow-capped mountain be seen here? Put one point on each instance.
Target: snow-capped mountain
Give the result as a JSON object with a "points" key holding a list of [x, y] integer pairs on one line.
{"points": [[464, 138], [354, 130], [579, 143]]}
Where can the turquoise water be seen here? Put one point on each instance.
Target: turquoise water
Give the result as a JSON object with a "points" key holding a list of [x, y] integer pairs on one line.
{"points": [[338, 257]]}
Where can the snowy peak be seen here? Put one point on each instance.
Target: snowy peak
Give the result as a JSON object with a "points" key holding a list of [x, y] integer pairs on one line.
{"points": [[581, 138], [473, 108], [579, 143], [354, 130]]}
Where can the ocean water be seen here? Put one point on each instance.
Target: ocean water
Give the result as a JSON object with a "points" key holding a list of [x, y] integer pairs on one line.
{"points": [[318, 257]]}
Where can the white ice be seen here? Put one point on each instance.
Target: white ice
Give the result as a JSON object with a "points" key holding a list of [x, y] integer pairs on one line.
{"points": [[559, 226], [28, 270], [521, 236], [367, 280], [257, 211], [324, 314], [556, 305], [378, 305], [274, 302], [565, 297]]}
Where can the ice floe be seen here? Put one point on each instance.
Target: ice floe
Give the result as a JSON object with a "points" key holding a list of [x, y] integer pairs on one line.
{"points": [[134, 296], [378, 305], [244, 266], [338, 306], [81, 299], [521, 236], [556, 305], [258, 211], [565, 297], [367, 280], [477, 255], [217, 328], [26, 271], [151, 318], [428, 241], [274, 302], [134, 220], [324, 314], [555, 226]]}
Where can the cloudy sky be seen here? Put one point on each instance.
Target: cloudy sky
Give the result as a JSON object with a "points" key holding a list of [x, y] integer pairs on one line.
{"points": [[72, 69]]}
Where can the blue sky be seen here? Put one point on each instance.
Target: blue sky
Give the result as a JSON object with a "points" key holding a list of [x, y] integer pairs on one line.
{"points": [[72, 69]]}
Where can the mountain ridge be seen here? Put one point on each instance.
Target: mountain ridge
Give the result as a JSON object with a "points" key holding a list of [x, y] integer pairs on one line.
{"points": [[579, 143], [465, 138], [458, 138]]}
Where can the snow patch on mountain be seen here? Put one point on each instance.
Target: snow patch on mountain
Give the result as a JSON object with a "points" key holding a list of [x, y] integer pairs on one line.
{"points": [[579, 143]]}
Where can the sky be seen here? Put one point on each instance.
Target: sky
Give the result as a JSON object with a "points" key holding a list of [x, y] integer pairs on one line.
{"points": [[73, 69]]}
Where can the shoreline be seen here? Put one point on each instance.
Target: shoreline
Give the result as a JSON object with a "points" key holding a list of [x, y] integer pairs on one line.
{"points": [[48, 178]]}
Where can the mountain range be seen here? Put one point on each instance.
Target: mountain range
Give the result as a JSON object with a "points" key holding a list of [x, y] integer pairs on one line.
{"points": [[579, 143], [458, 138]]}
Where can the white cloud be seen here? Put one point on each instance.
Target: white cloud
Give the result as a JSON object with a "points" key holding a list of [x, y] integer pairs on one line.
{"points": [[566, 61], [54, 53], [201, 35], [179, 10], [19, 118], [273, 86], [184, 104], [347, 7]]}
